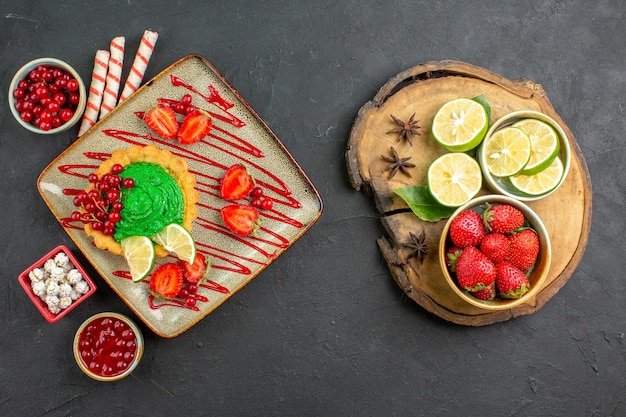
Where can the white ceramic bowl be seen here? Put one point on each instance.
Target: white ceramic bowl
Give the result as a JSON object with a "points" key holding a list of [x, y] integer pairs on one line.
{"points": [[503, 185], [22, 74], [536, 275]]}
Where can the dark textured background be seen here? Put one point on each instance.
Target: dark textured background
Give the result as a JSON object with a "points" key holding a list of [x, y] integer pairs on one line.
{"points": [[324, 331]]}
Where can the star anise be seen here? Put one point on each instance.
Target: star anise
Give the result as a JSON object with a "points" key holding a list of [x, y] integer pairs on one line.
{"points": [[397, 164], [407, 130], [418, 246]]}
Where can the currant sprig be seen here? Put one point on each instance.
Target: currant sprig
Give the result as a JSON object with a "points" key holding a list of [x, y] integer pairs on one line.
{"points": [[101, 205]]}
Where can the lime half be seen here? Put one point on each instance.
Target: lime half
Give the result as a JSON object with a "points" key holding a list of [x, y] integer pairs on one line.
{"points": [[460, 125], [175, 238], [545, 144], [542, 182], [506, 152], [454, 178], [139, 254]]}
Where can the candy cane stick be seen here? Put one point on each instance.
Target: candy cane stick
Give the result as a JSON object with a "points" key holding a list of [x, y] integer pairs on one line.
{"points": [[112, 87], [96, 89], [138, 69]]}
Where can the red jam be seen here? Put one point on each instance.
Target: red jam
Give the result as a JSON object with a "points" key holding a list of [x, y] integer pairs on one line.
{"points": [[107, 346]]}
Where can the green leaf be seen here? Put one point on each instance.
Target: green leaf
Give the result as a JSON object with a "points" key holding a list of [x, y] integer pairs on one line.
{"points": [[482, 100], [423, 204]]}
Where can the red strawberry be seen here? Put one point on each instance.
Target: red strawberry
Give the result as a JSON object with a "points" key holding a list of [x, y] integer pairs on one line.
{"points": [[167, 280], [162, 120], [197, 271], [524, 249], [241, 219], [502, 218], [467, 229], [236, 183], [496, 247], [195, 126], [474, 271], [452, 256], [511, 282], [487, 293]]}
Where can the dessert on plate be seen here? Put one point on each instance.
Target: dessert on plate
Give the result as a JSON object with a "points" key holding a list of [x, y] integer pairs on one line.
{"points": [[153, 188]]}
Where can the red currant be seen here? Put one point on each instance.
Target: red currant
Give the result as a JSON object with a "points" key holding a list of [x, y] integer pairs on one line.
{"points": [[257, 192], [114, 216], [117, 169], [128, 183], [186, 99], [267, 204]]}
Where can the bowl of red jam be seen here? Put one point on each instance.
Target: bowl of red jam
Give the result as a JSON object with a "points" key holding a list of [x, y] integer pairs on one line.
{"points": [[47, 96], [108, 346]]}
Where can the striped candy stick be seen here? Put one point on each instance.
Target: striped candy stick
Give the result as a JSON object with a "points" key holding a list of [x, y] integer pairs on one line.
{"points": [[112, 88], [96, 89], [138, 69]]}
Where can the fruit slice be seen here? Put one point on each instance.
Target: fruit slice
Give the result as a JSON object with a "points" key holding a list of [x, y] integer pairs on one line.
{"points": [[460, 125], [167, 280], [236, 183], [139, 254], [162, 121], [506, 152], [241, 219], [545, 144], [454, 178], [175, 238], [197, 271], [542, 182], [195, 126]]}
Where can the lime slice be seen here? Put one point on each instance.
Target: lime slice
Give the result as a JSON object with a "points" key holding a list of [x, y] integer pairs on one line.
{"points": [[460, 125], [139, 254], [542, 182], [454, 178], [506, 152], [175, 238], [545, 144]]}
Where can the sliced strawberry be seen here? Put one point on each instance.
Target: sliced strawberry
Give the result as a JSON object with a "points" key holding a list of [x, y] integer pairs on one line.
{"points": [[195, 126], [162, 121], [241, 219], [236, 183], [167, 280], [197, 271]]}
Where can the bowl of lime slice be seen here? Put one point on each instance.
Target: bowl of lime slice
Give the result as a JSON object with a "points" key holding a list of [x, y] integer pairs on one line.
{"points": [[524, 155]]}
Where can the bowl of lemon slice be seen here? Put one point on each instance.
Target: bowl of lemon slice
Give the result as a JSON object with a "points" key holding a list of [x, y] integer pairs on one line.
{"points": [[524, 155]]}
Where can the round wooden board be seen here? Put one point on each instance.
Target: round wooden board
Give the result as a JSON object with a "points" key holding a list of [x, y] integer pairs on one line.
{"points": [[422, 90]]}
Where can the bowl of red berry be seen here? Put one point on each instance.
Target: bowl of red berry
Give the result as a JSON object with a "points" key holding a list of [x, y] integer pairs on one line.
{"points": [[495, 252], [108, 346], [47, 96]]}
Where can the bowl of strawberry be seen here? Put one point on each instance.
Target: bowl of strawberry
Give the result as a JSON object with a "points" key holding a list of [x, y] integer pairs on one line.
{"points": [[495, 252], [47, 96]]}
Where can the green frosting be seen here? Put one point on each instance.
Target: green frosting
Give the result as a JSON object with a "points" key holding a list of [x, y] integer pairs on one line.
{"points": [[155, 201]]}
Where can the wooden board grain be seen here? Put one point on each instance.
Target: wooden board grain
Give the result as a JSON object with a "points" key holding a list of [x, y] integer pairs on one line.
{"points": [[422, 90]]}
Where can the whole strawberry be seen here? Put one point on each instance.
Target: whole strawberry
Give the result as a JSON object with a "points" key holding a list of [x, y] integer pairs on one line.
{"points": [[474, 271], [452, 256], [467, 229], [511, 282], [487, 293], [524, 249], [496, 247], [502, 218]]}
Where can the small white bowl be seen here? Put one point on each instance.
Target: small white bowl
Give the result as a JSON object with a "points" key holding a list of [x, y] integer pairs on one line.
{"points": [[22, 74], [503, 185]]}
